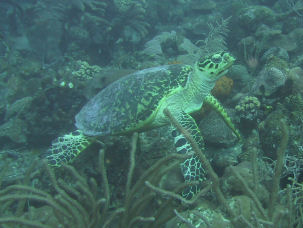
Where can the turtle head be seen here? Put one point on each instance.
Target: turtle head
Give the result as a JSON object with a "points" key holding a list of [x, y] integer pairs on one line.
{"points": [[216, 65]]}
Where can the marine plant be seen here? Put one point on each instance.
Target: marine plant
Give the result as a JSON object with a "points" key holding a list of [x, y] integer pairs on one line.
{"points": [[146, 202], [216, 37], [74, 200]]}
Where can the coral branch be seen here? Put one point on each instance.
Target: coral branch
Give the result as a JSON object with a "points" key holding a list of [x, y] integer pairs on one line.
{"points": [[206, 164]]}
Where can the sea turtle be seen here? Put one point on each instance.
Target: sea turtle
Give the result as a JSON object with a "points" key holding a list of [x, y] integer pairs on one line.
{"points": [[135, 103]]}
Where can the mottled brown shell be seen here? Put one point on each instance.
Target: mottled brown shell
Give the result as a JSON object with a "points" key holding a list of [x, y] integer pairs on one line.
{"points": [[129, 104]]}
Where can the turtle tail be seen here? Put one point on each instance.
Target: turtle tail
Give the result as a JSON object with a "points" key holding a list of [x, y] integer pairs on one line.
{"points": [[65, 148]]}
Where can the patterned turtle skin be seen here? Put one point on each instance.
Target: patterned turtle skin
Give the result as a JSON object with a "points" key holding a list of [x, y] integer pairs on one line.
{"points": [[135, 103]]}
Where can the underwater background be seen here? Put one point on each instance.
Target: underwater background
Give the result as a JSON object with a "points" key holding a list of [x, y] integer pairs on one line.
{"points": [[57, 54]]}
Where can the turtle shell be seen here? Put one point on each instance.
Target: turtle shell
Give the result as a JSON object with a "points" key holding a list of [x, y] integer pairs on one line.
{"points": [[130, 103]]}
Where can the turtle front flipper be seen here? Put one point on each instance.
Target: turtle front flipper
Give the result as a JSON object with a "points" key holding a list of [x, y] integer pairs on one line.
{"points": [[191, 168], [65, 148], [215, 104]]}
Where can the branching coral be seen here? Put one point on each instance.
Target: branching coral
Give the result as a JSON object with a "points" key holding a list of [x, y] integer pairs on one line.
{"points": [[74, 205], [77, 204], [147, 204], [273, 215]]}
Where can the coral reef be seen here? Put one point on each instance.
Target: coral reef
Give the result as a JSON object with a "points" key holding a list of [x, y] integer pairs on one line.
{"points": [[55, 56]]}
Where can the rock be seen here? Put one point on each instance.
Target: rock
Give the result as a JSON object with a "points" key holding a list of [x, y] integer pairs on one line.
{"points": [[224, 157], [234, 186], [277, 52], [268, 81], [214, 130], [211, 217], [244, 206], [296, 75], [18, 107], [251, 17], [239, 73], [15, 130], [271, 134], [169, 44], [153, 47]]}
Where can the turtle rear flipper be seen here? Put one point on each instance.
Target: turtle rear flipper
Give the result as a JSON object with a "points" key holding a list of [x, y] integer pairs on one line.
{"points": [[191, 168], [65, 148]]}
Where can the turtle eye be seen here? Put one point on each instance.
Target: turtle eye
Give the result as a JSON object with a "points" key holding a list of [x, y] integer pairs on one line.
{"points": [[216, 58]]}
